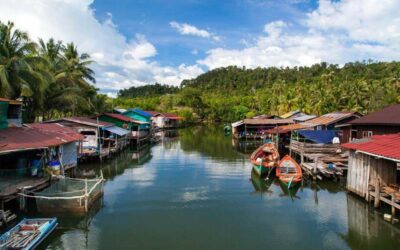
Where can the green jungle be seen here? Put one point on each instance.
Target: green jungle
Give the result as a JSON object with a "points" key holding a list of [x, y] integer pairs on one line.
{"points": [[53, 79]]}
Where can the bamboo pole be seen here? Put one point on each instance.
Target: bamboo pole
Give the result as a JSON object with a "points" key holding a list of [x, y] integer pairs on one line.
{"points": [[86, 195]]}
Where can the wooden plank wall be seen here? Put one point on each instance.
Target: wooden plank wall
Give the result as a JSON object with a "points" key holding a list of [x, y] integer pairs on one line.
{"points": [[364, 170]]}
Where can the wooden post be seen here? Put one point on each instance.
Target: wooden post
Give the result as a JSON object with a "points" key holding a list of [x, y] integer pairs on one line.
{"points": [[393, 207], [377, 193], [22, 200], [86, 196]]}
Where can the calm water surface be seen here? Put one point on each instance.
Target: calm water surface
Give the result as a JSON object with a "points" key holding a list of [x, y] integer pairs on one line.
{"points": [[196, 191]]}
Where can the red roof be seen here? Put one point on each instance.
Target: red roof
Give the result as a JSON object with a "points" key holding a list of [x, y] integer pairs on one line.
{"points": [[119, 117], [387, 146], [23, 138], [387, 116], [88, 121], [172, 116], [153, 113], [56, 128]]}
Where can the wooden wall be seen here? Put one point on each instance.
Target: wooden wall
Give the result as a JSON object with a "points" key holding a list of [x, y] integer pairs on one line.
{"points": [[364, 170]]}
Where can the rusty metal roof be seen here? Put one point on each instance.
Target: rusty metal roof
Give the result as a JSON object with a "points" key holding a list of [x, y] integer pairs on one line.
{"points": [[288, 128], [267, 121], [381, 146], [330, 118], [10, 101], [26, 138], [88, 121], [58, 129], [387, 116], [119, 117]]}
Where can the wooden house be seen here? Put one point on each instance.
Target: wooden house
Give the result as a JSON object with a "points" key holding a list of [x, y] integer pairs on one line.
{"points": [[167, 120], [373, 164], [10, 113], [137, 129], [145, 129], [68, 152], [27, 153], [100, 138], [254, 128], [138, 114], [385, 121]]}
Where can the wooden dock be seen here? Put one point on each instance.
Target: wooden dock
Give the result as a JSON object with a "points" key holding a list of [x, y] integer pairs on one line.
{"points": [[9, 189], [320, 160]]}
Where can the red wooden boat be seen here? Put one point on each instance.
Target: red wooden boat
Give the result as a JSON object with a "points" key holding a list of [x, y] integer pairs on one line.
{"points": [[264, 158], [289, 172]]}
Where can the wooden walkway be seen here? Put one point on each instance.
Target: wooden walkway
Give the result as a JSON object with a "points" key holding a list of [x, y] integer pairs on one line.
{"points": [[9, 189]]}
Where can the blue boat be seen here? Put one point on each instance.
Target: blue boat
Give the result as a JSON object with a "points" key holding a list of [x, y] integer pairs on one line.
{"points": [[28, 233]]}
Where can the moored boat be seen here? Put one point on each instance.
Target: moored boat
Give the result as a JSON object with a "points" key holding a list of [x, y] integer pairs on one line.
{"points": [[264, 159], [28, 233], [289, 172]]}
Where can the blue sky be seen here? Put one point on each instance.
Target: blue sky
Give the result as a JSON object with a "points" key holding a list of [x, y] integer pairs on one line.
{"points": [[140, 42], [233, 20]]}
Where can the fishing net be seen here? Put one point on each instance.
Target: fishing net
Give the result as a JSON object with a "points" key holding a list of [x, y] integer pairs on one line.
{"points": [[69, 194]]}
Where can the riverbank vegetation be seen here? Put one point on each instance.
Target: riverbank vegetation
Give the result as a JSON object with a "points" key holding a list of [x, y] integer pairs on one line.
{"points": [[52, 78], [233, 93]]}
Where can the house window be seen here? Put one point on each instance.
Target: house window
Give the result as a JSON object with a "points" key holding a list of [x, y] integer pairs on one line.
{"points": [[367, 134]]}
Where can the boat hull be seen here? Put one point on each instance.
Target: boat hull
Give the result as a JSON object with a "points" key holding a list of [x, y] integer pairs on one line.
{"points": [[261, 170], [45, 229], [289, 172]]}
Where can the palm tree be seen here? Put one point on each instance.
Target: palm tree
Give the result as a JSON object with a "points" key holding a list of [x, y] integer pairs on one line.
{"points": [[16, 57]]}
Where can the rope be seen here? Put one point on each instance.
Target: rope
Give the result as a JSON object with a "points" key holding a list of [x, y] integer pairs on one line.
{"points": [[62, 197]]}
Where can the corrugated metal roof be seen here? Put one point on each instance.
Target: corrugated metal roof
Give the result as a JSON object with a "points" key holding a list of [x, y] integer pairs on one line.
{"points": [[288, 128], [141, 112], [290, 114], [119, 117], [304, 118], [87, 121], [153, 113], [24, 138], [385, 146], [387, 116], [236, 124], [330, 118], [15, 102], [171, 116], [117, 130], [56, 128], [267, 121], [119, 111]]}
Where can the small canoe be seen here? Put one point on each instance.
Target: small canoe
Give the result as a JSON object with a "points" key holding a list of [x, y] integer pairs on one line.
{"points": [[289, 172], [28, 233], [264, 158]]}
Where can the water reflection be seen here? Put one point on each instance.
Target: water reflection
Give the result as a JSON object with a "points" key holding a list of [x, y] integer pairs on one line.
{"points": [[196, 191]]}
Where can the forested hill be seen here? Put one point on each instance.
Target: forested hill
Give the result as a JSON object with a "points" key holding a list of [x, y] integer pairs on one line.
{"points": [[148, 91], [237, 79], [232, 93]]}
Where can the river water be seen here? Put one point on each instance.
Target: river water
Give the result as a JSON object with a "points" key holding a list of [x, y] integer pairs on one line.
{"points": [[195, 190]]}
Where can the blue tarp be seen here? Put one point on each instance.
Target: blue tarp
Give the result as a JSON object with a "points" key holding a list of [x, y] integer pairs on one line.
{"points": [[318, 136]]}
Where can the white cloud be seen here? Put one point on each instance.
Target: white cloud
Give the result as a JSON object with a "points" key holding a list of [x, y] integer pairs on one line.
{"points": [[336, 32], [130, 61], [187, 29]]}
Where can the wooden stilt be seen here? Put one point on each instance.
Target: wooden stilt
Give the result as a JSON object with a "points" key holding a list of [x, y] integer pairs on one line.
{"points": [[377, 193], [86, 195]]}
